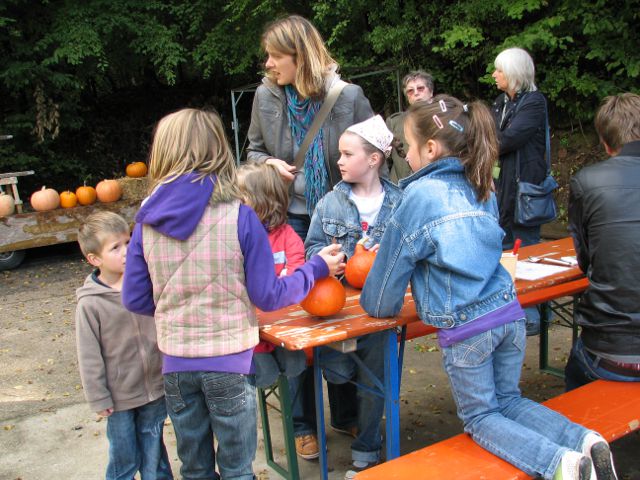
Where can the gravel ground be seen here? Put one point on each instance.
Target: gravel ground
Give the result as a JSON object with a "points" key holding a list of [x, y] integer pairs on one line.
{"points": [[47, 430]]}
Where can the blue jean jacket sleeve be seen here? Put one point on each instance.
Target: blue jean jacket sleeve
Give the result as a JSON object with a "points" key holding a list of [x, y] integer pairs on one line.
{"points": [[316, 239], [386, 285]]}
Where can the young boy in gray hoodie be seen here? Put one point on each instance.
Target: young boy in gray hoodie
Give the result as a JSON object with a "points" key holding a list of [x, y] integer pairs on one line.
{"points": [[120, 364]]}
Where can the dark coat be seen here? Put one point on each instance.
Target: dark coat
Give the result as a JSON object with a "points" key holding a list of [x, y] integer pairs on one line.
{"points": [[604, 220], [520, 132]]}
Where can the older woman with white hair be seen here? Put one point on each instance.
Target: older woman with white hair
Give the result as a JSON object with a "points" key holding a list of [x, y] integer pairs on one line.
{"points": [[520, 113]]}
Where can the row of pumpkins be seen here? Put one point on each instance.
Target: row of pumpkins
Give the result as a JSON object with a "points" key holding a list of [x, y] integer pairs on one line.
{"points": [[48, 199], [328, 295]]}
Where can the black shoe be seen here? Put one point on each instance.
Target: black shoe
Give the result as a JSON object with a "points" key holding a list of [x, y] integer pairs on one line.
{"points": [[584, 469], [602, 461]]}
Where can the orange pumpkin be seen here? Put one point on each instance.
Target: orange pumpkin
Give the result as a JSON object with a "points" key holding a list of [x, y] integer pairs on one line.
{"points": [[327, 297], [108, 191], [7, 205], [86, 195], [136, 169], [68, 199], [358, 266], [45, 199]]}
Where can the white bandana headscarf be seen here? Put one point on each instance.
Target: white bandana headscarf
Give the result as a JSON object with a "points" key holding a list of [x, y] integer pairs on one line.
{"points": [[374, 131]]}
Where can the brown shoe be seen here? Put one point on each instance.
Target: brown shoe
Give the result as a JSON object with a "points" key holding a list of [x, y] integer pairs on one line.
{"points": [[307, 446], [351, 431]]}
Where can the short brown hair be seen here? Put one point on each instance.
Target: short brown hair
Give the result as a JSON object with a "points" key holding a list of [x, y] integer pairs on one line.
{"points": [[618, 120], [427, 78], [264, 190], [94, 230], [295, 35]]}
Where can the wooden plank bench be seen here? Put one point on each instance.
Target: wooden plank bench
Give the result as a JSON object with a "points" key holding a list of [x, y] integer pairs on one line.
{"points": [[610, 408]]}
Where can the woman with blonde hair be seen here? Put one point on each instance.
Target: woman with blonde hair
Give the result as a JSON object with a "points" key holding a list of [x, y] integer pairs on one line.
{"points": [[300, 77]]}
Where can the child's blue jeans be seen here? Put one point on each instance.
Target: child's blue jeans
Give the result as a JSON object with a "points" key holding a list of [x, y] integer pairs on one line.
{"points": [[340, 368], [484, 372], [204, 404], [136, 444]]}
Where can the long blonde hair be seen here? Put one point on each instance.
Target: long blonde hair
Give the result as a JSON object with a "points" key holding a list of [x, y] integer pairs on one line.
{"points": [[295, 35], [192, 140], [467, 132], [264, 190]]}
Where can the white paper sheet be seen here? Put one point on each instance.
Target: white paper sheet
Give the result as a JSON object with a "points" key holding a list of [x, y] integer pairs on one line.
{"points": [[534, 271]]}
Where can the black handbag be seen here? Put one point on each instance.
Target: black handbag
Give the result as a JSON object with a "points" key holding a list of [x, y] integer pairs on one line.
{"points": [[535, 204]]}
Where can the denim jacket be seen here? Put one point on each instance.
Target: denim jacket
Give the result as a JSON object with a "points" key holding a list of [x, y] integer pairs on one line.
{"points": [[448, 244], [336, 217]]}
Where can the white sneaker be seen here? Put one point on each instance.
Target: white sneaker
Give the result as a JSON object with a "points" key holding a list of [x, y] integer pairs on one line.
{"points": [[573, 466]]}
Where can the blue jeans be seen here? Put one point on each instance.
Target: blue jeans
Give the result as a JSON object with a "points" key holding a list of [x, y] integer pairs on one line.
{"points": [[136, 444], [204, 404], [583, 367], [270, 365], [342, 398], [484, 372], [528, 235], [340, 368]]}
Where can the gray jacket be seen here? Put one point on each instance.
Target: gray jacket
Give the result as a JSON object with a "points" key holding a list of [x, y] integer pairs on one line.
{"points": [[398, 165], [270, 134], [118, 357]]}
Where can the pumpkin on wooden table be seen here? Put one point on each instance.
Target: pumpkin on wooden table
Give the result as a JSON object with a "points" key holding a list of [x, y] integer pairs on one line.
{"points": [[86, 195], [45, 199], [7, 205], [358, 265], [108, 191], [136, 169], [327, 297], [68, 199]]}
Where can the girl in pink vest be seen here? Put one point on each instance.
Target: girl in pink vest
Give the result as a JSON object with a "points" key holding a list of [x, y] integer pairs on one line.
{"points": [[200, 262]]}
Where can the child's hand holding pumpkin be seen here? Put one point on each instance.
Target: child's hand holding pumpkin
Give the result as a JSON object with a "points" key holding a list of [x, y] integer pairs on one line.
{"points": [[334, 258]]}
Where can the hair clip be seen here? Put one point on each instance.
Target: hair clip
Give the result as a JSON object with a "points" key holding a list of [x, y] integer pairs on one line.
{"points": [[456, 125], [443, 106], [465, 107], [437, 121]]}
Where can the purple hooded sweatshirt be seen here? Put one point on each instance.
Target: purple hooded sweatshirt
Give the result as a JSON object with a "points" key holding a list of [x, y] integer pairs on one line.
{"points": [[175, 209]]}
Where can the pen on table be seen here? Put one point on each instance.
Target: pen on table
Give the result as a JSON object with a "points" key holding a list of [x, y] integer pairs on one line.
{"points": [[516, 246]]}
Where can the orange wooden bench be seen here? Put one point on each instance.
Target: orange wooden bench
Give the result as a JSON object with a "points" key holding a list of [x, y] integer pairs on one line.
{"points": [[610, 408]]}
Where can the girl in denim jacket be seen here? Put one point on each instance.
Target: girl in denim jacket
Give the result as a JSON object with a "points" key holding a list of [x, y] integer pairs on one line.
{"points": [[358, 208], [444, 237]]}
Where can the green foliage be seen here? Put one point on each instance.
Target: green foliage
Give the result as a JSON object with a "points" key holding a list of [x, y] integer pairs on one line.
{"points": [[83, 82]]}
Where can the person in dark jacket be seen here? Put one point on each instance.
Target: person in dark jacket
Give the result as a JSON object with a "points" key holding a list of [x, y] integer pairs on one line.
{"points": [[520, 116], [604, 221], [417, 86]]}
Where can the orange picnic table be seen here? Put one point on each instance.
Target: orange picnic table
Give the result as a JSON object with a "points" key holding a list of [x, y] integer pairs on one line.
{"points": [[294, 329]]}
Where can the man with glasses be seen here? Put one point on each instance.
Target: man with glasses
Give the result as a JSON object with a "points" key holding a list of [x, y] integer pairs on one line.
{"points": [[417, 85]]}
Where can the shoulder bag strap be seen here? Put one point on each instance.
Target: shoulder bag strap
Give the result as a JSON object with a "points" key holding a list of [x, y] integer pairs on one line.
{"points": [[547, 141], [327, 105]]}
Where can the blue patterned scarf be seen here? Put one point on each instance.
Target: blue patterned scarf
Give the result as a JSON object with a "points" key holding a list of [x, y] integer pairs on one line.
{"points": [[301, 113]]}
